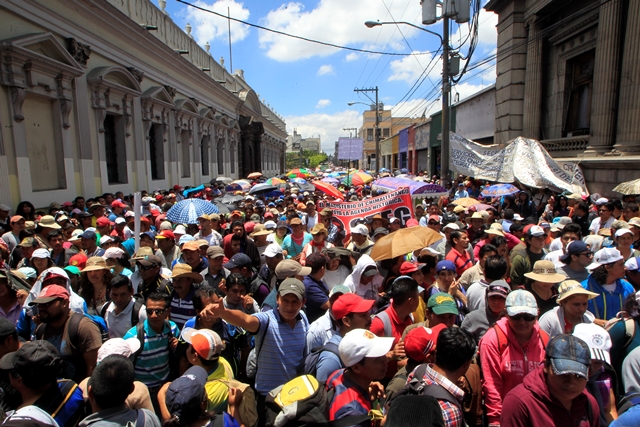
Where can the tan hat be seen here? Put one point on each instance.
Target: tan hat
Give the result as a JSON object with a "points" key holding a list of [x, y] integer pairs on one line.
{"points": [[604, 232], [545, 271], [215, 252], [495, 229], [476, 215], [635, 221], [318, 228], [569, 288], [260, 230], [48, 221], [202, 242], [290, 268], [142, 253], [458, 209], [184, 270], [296, 221], [326, 212], [29, 225], [95, 263]]}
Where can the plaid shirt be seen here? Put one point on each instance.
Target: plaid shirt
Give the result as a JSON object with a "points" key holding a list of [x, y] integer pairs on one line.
{"points": [[452, 415]]}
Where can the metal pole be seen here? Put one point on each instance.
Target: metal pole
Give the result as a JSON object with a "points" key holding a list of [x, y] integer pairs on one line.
{"points": [[444, 147], [377, 135]]}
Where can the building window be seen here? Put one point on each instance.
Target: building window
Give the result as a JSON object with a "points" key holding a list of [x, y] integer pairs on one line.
{"points": [[220, 157], [232, 159], [156, 152], [369, 134], [186, 154], [204, 154], [578, 102], [385, 133], [115, 149]]}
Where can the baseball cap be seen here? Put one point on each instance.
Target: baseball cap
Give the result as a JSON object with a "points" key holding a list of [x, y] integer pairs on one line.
{"points": [[78, 260], [118, 346], [451, 226], [445, 264], [605, 256], [339, 289], [105, 239], [239, 260], [292, 286], [120, 220], [633, 264], [16, 218], [360, 229], [348, 303], [406, 268], [535, 231], [458, 209], [560, 223], [601, 201], [32, 355], [290, 268], [113, 253], [118, 204], [205, 342], [623, 231], [51, 293], [442, 303], [191, 245], [569, 355], [272, 250], [186, 393], [360, 343], [88, 234], [41, 253], [29, 273], [498, 288], [186, 238], [517, 217], [381, 230], [269, 225], [215, 252], [28, 242], [166, 234], [4, 207], [575, 247], [421, 341], [103, 222], [521, 301], [435, 218], [597, 338], [7, 327], [149, 260]]}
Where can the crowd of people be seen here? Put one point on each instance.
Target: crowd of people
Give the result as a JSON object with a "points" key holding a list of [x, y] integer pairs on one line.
{"points": [[521, 310]]}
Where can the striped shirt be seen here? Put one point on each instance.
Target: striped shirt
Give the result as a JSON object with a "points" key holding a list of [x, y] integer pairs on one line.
{"points": [[452, 414], [182, 309], [280, 349], [152, 364], [349, 399]]}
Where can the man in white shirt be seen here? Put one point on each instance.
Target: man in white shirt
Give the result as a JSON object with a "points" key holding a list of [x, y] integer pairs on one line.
{"points": [[206, 229], [124, 311], [605, 217]]}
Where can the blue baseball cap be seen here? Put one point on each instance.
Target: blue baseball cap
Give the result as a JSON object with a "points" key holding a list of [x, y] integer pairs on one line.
{"points": [[88, 234], [184, 239], [573, 248], [239, 260], [445, 265], [569, 355], [186, 393]]}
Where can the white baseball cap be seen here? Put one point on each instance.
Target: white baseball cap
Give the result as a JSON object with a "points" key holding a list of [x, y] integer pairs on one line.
{"points": [[517, 217], [118, 346], [451, 226], [273, 250], [597, 338], [41, 253], [270, 225], [105, 239], [360, 343], [120, 220], [605, 256], [623, 231], [536, 231], [360, 229]]}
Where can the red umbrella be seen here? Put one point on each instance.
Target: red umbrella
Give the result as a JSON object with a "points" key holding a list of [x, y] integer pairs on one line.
{"points": [[329, 189]]}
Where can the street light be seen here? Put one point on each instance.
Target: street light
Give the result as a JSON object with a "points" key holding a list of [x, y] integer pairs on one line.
{"points": [[446, 88]]}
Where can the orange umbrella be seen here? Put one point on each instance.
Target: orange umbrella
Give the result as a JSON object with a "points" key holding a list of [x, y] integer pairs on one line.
{"points": [[329, 189], [403, 241], [465, 202], [254, 175]]}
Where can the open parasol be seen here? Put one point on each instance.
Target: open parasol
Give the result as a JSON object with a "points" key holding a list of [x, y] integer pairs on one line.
{"points": [[403, 241], [328, 189], [629, 187], [465, 202]]}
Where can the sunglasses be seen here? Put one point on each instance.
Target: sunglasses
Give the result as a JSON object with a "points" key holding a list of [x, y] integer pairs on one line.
{"points": [[146, 267], [526, 317], [157, 311]]}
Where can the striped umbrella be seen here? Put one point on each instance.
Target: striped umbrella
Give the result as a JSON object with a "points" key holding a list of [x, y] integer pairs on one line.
{"points": [[357, 178], [189, 210]]}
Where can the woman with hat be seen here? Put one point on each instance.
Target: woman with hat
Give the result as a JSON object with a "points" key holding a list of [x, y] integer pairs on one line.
{"points": [[118, 261], [446, 282], [571, 310], [41, 260], [317, 244], [541, 282], [282, 229], [510, 349], [624, 243], [93, 283]]}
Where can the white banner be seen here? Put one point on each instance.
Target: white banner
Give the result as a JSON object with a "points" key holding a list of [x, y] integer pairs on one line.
{"points": [[523, 160]]}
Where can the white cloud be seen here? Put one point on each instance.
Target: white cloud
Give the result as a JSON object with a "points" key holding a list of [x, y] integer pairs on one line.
{"points": [[325, 69], [338, 22], [208, 27], [323, 103], [351, 57], [410, 68], [328, 126]]}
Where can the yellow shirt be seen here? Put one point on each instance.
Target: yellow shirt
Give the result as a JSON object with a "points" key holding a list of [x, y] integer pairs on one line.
{"points": [[420, 315], [218, 391]]}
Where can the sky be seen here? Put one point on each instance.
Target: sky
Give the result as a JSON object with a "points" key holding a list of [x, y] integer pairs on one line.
{"points": [[310, 84]]}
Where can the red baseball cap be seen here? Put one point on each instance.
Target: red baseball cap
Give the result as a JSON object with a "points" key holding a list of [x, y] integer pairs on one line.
{"points": [[177, 187], [406, 268], [51, 293], [421, 341], [166, 234], [118, 204], [412, 223], [103, 222], [350, 303], [144, 219], [78, 260], [434, 218]]}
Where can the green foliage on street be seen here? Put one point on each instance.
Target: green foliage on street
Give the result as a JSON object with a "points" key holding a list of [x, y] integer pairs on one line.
{"points": [[310, 159]]}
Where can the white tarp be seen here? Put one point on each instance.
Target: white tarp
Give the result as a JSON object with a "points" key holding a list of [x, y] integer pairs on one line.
{"points": [[524, 160]]}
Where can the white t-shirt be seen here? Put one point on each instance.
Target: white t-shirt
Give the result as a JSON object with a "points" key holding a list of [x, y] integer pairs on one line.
{"points": [[596, 224]]}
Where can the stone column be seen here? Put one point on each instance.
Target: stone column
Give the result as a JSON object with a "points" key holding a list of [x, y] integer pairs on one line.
{"points": [[605, 78], [628, 138], [533, 84]]}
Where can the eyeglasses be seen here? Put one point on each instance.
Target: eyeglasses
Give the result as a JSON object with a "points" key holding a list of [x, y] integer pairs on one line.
{"points": [[157, 311], [525, 316], [587, 254], [146, 267]]}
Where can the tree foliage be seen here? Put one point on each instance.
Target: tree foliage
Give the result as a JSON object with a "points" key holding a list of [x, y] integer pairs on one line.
{"points": [[310, 159]]}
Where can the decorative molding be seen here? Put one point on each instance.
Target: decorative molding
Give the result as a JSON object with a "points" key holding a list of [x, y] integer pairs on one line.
{"points": [[18, 94], [80, 52], [571, 31], [195, 101], [171, 91], [138, 74]]}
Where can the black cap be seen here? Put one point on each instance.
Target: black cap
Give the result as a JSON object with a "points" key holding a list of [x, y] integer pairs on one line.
{"points": [[239, 260], [34, 355], [185, 394], [7, 327]]}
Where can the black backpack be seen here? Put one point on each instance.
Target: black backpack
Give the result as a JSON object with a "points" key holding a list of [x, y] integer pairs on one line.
{"points": [[135, 312], [310, 366]]}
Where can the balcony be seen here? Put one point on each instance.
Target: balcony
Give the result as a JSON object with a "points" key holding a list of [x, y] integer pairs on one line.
{"points": [[572, 146]]}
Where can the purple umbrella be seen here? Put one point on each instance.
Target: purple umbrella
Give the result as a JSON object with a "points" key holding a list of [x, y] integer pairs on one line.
{"points": [[331, 181]]}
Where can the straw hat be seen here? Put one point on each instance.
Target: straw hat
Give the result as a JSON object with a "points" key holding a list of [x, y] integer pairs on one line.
{"points": [[318, 228], [184, 270], [95, 263], [569, 288], [545, 271], [260, 230]]}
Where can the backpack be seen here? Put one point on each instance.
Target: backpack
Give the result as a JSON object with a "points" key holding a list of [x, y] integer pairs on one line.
{"points": [[417, 386], [629, 329], [310, 366], [135, 312], [140, 336], [304, 402], [503, 341], [386, 322]]}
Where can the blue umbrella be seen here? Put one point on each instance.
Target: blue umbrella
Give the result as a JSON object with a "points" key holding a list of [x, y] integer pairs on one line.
{"points": [[298, 181], [499, 190], [185, 193], [187, 211], [262, 188]]}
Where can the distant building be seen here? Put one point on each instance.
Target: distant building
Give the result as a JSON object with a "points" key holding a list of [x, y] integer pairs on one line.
{"points": [[296, 142], [568, 75]]}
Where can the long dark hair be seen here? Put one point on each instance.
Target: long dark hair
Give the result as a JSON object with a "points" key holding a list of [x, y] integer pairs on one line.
{"points": [[27, 216]]}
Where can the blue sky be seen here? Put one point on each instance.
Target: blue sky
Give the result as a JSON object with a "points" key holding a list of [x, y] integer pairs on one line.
{"points": [[310, 84]]}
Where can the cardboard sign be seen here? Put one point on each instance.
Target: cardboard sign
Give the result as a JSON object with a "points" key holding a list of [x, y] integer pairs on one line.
{"points": [[347, 214]]}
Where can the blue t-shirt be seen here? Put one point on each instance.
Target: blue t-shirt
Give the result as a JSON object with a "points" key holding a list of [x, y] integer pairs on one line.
{"points": [[317, 294], [328, 362], [630, 418]]}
